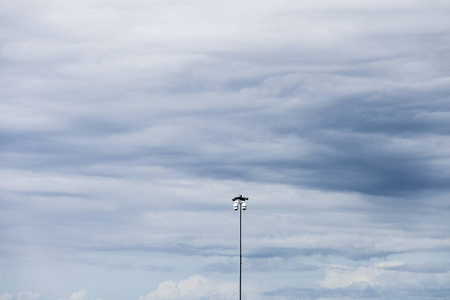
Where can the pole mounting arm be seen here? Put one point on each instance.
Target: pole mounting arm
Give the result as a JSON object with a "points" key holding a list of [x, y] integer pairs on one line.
{"points": [[240, 198]]}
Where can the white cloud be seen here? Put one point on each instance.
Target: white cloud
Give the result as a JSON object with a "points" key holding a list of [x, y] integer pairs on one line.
{"points": [[6, 296], [340, 276], [28, 296], [388, 264], [195, 287], [80, 295]]}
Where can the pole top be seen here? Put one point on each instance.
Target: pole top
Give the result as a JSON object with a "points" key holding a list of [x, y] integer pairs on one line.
{"points": [[239, 198]]}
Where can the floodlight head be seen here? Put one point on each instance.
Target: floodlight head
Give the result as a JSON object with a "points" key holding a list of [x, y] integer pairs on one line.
{"points": [[235, 205], [244, 205]]}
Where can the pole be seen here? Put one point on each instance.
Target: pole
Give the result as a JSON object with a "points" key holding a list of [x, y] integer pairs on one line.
{"points": [[240, 249], [239, 202]]}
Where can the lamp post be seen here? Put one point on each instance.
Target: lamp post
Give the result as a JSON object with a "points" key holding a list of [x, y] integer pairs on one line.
{"points": [[239, 203]]}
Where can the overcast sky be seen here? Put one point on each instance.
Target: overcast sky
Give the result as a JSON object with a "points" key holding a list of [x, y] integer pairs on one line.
{"points": [[126, 128]]}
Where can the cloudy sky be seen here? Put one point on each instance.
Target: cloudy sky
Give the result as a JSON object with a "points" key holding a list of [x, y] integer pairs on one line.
{"points": [[126, 128]]}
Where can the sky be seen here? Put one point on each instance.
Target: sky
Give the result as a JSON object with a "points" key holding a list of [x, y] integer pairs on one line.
{"points": [[126, 128]]}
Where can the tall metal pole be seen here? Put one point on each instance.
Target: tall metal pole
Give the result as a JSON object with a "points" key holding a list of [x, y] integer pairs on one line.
{"points": [[239, 203], [240, 250]]}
